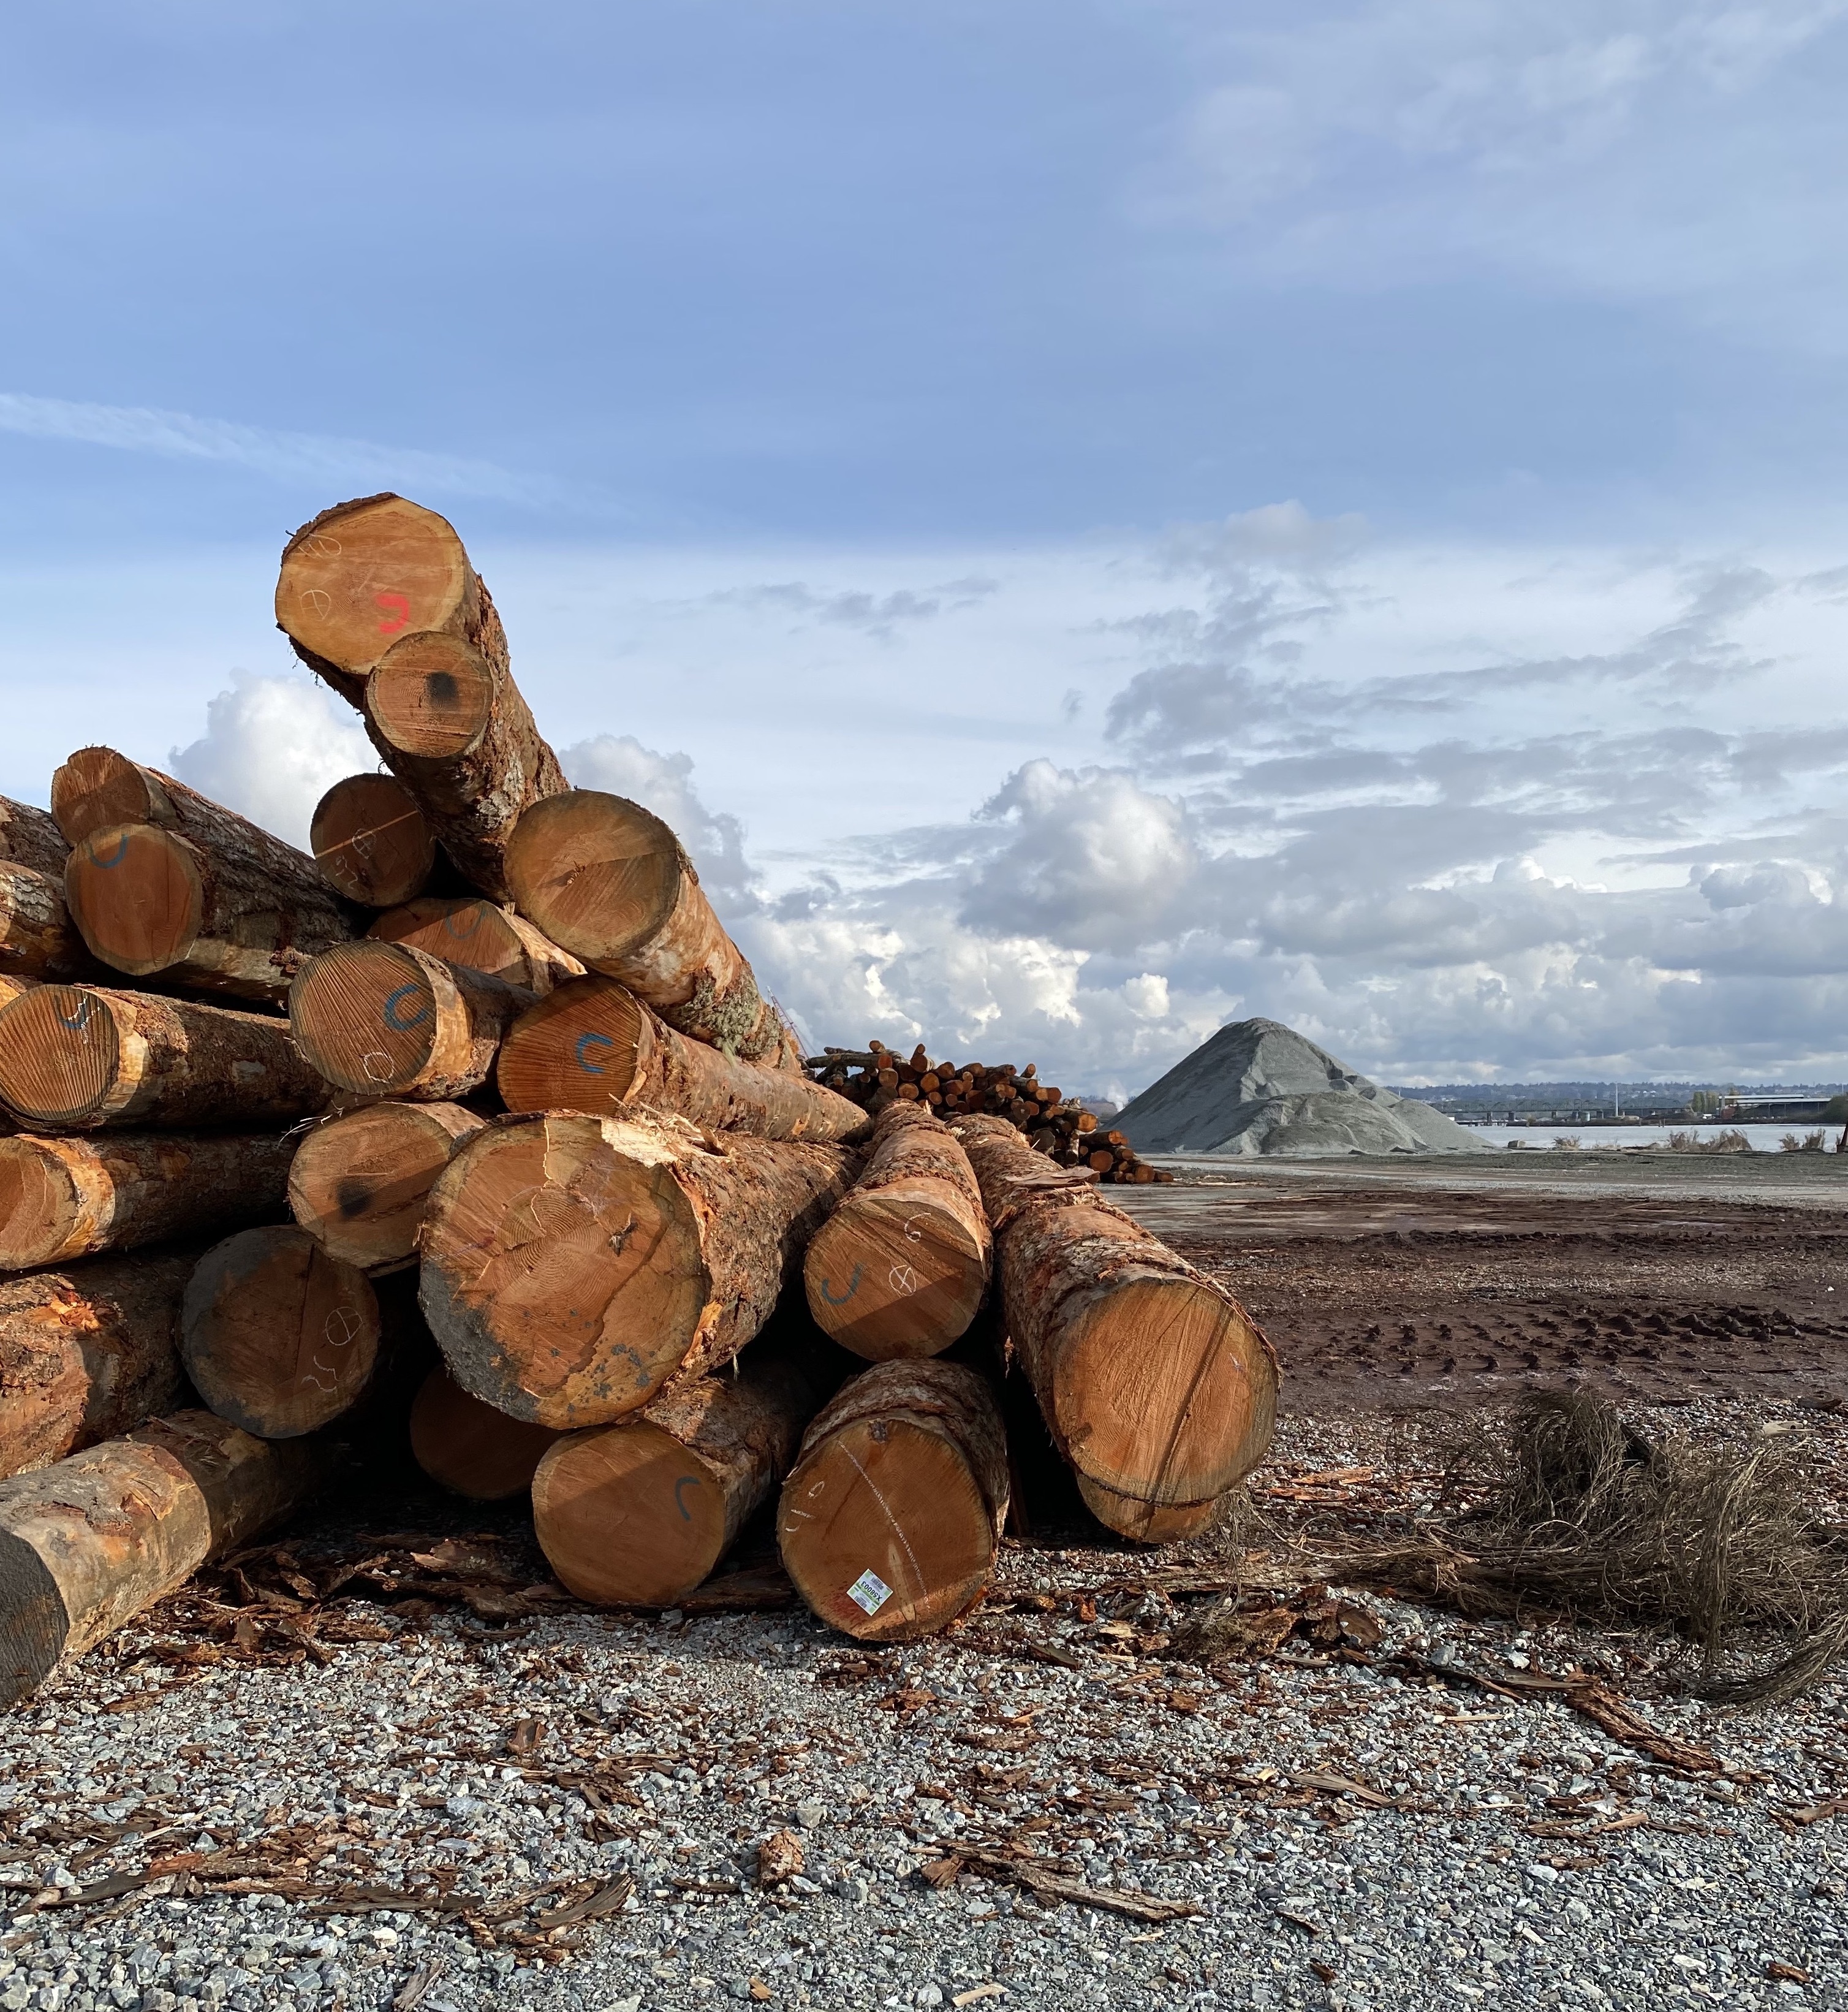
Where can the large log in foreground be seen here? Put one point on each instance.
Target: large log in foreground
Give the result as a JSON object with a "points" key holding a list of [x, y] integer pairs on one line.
{"points": [[470, 1448], [1148, 1522], [1153, 1380], [396, 1021], [592, 1046], [358, 1183], [890, 1520], [37, 937], [638, 1514], [371, 839], [573, 1267], [612, 883], [62, 1198], [30, 837], [278, 1336], [88, 1544], [469, 931], [86, 1354], [899, 1268], [77, 1057]]}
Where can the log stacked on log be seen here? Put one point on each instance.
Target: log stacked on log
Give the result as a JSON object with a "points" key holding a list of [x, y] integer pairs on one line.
{"points": [[476, 934], [359, 1184], [470, 1448], [372, 840], [1066, 1132]]}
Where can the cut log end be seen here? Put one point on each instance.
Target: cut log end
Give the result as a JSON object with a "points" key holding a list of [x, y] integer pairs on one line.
{"points": [[1179, 1424], [598, 873], [136, 894], [628, 1516], [42, 1207], [358, 1184], [99, 787], [1148, 1522], [370, 838], [431, 695], [475, 933], [885, 1530], [892, 1273], [366, 1016], [60, 1053], [366, 573], [470, 1448], [278, 1337], [578, 1050]]}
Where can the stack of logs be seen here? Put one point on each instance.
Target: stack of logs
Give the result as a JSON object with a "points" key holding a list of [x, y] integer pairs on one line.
{"points": [[1066, 1132], [474, 1129]]}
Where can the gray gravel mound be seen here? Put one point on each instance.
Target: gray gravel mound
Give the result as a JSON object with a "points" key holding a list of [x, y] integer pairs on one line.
{"points": [[1258, 1087]]}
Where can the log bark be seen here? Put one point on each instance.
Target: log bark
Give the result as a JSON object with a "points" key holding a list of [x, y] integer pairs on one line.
{"points": [[76, 1059], [88, 1544], [470, 1448], [890, 1521], [62, 1198], [592, 1046], [278, 1336], [395, 1021], [574, 1267], [38, 938], [450, 720], [901, 1268], [1153, 1380], [86, 1354], [473, 932], [640, 1513], [1148, 1522], [372, 842], [358, 1183], [612, 883], [30, 837]]}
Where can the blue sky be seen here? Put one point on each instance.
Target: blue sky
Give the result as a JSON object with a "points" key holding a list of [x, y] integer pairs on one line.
{"points": [[1097, 517]]}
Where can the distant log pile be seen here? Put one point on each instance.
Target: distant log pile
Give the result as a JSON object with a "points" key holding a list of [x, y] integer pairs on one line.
{"points": [[482, 1080]]}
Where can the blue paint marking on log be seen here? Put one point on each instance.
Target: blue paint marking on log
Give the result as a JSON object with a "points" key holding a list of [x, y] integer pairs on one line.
{"points": [[685, 1481], [474, 911], [841, 1299], [96, 859], [591, 1041], [83, 1019], [391, 1016]]}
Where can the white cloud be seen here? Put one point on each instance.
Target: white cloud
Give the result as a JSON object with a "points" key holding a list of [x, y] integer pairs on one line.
{"points": [[271, 748]]}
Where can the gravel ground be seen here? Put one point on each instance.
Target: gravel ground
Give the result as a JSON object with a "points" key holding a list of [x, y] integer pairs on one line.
{"points": [[1352, 1833]]}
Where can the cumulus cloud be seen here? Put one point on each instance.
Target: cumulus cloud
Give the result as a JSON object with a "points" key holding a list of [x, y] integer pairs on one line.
{"points": [[271, 748]]}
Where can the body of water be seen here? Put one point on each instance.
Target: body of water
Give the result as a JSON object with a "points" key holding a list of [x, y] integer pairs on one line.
{"points": [[1594, 1138]]}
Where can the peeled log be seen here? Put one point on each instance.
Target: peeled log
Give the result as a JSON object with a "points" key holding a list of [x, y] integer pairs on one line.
{"points": [[37, 936], [371, 841], [470, 1448], [1153, 1380], [276, 1336], [451, 721], [574, 1267], [890, 1520], [87, 1545], [29, 836], [1148, 1522], [86, 1354], [397, 1021], [61, 1198], [358, 1184], [899, 1268], [474, 933], [639, 1514], [612, 883], [592, 1046], [77, 1057]]}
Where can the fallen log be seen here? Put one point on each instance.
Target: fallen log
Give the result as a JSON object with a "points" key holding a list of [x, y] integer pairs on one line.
{"points": [[385, 1018], [1153, 1380], [277, 1336], [612, 883], [592, 1046], [899, 1268], [573, 1267], [452, 724], [370, 838], [890, 1520], [470, 1448], [30, 837], [1148, 1522], [78, 1058], [639, 1514], [86, 1354], [62, 1198], [88, 1544], [37, 937], [358, 1183], [476, 934]]}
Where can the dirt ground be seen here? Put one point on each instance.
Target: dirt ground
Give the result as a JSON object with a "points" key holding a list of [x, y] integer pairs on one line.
{"points": [[1658, 1278]]}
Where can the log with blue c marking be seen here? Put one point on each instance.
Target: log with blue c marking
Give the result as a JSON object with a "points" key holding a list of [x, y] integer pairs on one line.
{"points": [[390, 1013]]}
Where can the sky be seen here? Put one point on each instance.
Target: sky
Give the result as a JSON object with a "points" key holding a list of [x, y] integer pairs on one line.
{"points": [[1093, 520]]}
